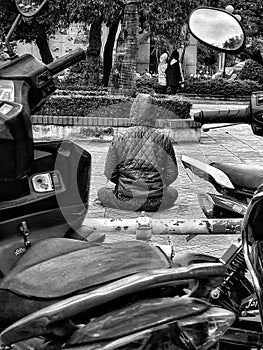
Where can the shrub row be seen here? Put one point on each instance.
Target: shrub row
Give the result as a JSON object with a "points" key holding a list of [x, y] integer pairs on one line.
{"points": [[253, 71], [63, 86], [207, 87], [224, 87], [249, 79], [111, 106]]}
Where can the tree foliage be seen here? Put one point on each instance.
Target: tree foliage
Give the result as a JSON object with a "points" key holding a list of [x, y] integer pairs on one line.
{"points": [[206, 56], [57, 14], [47, 21], [251, 12], [87, 11], [35, 28], [167, 20], [94, 12]]}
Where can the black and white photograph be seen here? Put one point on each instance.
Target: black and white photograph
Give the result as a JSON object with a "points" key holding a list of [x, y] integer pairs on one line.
{"points": [[131, 183]]}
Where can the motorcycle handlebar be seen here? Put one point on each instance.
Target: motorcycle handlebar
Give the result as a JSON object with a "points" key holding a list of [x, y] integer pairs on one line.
{"points": [[240, 115], [66, 61]]}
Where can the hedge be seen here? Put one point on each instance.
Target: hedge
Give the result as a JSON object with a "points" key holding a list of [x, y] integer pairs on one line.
{"points": [[224, 87], [207, 87], [249, 79], [84, 104], [253, 71]]}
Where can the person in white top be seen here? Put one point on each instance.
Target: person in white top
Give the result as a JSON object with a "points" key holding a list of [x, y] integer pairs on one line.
{"points": [[162, 66]]}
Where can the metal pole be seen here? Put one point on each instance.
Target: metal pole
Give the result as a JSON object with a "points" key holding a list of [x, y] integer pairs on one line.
{"points": [[224, 64], [9, 34], [165, 226]]}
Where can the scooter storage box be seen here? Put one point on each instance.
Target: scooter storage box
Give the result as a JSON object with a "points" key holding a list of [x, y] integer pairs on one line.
{"points": [[16, 142]]}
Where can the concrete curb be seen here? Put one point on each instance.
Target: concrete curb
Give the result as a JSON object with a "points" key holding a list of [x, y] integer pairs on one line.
{"points": [[96, 128], [228, 102], [107, 121], [216, 99]]}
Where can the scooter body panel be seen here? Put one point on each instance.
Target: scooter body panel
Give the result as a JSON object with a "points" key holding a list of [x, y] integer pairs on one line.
{"points": [[55, 199], [220, 206], [230, 203], [198, 168]]}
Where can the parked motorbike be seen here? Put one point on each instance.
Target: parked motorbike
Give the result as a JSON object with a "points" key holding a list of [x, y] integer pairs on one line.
{"points": [[88, 296], [73, 294], [44, 186], [234, 195], [236, 183], [94, 296], [44, 193]]}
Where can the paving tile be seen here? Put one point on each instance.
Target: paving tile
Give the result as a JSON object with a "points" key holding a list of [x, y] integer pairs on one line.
{"points": [[235, 144]]}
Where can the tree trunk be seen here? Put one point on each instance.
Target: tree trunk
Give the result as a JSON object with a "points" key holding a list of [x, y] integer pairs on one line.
{"points": [[93, 53], [43, 47], [108, 51], [183, 52], [125, 63]]}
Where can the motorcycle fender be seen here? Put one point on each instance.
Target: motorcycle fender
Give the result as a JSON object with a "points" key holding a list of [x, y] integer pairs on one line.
{"points": [[200, 169]]}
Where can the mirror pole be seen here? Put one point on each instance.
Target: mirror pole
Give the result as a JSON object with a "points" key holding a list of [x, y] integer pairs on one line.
{"points": [[224, 64], [254, 55], [11, 31]]}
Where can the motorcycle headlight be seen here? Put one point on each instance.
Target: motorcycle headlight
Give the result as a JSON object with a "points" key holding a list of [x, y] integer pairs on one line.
{"points": [[198, 332], [202, 331]]}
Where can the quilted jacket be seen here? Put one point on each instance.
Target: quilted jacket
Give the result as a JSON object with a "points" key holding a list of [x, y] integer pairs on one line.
{"points": [[141, 161]]}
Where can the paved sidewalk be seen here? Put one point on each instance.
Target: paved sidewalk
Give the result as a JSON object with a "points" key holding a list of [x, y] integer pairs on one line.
{"points": [[235, 144], [231, 144]]}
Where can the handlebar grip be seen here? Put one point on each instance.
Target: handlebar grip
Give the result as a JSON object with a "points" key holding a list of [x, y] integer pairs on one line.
{"points": [[240, 115], [66, 61]]}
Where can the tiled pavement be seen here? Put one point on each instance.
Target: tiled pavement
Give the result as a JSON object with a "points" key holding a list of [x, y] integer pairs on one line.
{"points": [[232, 144]]}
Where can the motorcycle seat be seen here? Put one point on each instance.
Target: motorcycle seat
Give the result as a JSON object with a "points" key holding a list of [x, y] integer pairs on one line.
{"points": [[58, 318], [57, 268], [243, 176]]}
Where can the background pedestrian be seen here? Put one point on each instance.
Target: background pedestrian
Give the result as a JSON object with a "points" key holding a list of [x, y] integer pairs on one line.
{"points": [[162, 66], [174, 72]]}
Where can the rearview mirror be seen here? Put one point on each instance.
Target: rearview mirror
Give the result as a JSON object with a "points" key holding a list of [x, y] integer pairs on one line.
{"points": [[217, 29], [29, 8]]}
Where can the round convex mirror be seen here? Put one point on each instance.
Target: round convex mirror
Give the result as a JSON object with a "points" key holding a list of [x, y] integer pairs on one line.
{"points": [[217, 28], [29, 8]]}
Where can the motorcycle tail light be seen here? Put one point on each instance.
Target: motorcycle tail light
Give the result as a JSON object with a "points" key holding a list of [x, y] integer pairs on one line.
{"points": [[202, 331]]}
